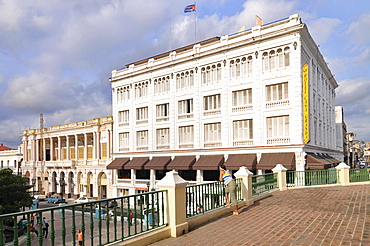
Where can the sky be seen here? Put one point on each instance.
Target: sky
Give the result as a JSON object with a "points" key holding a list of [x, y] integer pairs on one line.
{"points": [[56, 57]]}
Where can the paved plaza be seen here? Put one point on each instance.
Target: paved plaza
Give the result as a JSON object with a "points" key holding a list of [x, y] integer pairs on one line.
{"points": [[334, 215]]}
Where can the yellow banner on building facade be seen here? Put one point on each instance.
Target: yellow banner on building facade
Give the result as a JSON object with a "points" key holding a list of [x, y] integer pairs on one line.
{"points": [[305, 94]]}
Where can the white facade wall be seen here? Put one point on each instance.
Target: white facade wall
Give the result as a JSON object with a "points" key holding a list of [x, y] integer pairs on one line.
{"points": [[289, 34], [11, 159]]}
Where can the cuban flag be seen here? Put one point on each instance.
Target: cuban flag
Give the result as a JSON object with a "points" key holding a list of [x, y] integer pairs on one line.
{"points": [[189, 8]]}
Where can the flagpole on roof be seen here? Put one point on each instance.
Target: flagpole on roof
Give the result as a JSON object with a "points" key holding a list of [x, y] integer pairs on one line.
{"points": [[195, 21], [170, 34]]}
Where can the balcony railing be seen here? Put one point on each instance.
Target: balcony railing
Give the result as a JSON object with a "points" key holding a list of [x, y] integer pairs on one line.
{"points": [[132, 215], [204, 197], [150, 211], [263, 183], [311, 177]]}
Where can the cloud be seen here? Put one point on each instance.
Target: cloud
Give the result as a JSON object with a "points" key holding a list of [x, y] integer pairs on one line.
{"points": [[357, 32], [322, 29], [353, 91]]}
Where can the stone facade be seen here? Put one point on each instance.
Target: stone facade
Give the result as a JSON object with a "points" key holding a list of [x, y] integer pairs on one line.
{"points": [[70, 159]]}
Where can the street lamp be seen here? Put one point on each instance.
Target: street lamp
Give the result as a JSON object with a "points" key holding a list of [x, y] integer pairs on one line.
{"points": [[33, 184]]}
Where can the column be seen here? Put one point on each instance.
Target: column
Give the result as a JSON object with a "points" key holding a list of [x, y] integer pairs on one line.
{"points": [[68, 149], [51, 149], [109, 144], [280, 170], [200, 176], [152, 179], [246, 177], [176, 202], [32, 150], [37, 150], [94, 154], [98, 145], [44, 149], [343, 170], [59, 149], [133, 177], [85, 146], [76, 147], [25, 146]]}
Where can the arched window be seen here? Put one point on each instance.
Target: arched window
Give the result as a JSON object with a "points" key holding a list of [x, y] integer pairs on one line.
{"points": [[287, 56], [280, 58], [272, 58], [249, 66], [265, 64]]}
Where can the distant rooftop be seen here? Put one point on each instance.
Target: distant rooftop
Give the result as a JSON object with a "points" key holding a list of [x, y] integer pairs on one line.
{"points": [[3, 147]]}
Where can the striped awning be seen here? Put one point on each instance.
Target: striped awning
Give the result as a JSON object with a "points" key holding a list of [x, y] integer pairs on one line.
{"points": [[118, 163], [238, 160], [182, 163], [270, 160], [318, 161], [158, 163], [208, 162], [137, 163]]}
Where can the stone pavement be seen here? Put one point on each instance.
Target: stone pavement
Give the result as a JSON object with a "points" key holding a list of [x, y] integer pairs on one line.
{"points": [[334, 215]]}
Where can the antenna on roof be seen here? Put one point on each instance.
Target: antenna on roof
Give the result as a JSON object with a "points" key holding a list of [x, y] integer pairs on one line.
{"points": [[41, 121]]}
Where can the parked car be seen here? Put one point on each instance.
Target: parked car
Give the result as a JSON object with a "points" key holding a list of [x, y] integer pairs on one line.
{"points": [[84, 199], [39, 196], [111, 204], [56, 199], [35, 204]]}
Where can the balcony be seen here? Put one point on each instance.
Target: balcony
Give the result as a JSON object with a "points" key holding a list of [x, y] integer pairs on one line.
{"points": [[65, 164]]}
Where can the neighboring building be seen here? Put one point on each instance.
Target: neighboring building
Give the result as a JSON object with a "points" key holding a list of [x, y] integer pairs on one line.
{"points": [[238, 99], [341, 132], [367, 153], [70, 159], [11, 158], [350, 151]]}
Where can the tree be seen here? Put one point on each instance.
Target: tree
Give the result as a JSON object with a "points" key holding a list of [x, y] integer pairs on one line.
{"points": [[13, 192]]}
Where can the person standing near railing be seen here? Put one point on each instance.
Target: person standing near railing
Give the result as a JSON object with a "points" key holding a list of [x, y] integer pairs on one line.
{"points": [[230, 187], [79, 237], [45, 227]]}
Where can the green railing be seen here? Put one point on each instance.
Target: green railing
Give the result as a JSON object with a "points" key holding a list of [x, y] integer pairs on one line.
{"points": [[204, 197], [263, 183], [132, 215], [312, 177], [359, 175]]}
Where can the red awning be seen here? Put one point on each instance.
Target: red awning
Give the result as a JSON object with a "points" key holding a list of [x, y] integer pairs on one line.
{"points": [[137, 163], [208, 162], [158, 163], [238, 160], [118, 163], [182, 163], [270, 160], [315, 162]]}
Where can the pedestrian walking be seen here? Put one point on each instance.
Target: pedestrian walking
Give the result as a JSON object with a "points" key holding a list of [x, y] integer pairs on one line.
{"points": [[130, 218], [33, 229], [230, 188], [79, 237], [45, 227], [32, 220]]}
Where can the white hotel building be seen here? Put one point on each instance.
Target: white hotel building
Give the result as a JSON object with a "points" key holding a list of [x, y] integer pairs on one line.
{"points": [[237, 99]]}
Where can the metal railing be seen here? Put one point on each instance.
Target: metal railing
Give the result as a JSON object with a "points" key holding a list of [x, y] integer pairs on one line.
{"points": [[204, 197], [128, 216], [263, 183], [359, 175], [312, 177]]}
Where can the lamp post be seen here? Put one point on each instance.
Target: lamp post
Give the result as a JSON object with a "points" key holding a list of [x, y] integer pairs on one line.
{"points": [[33, 186]]}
